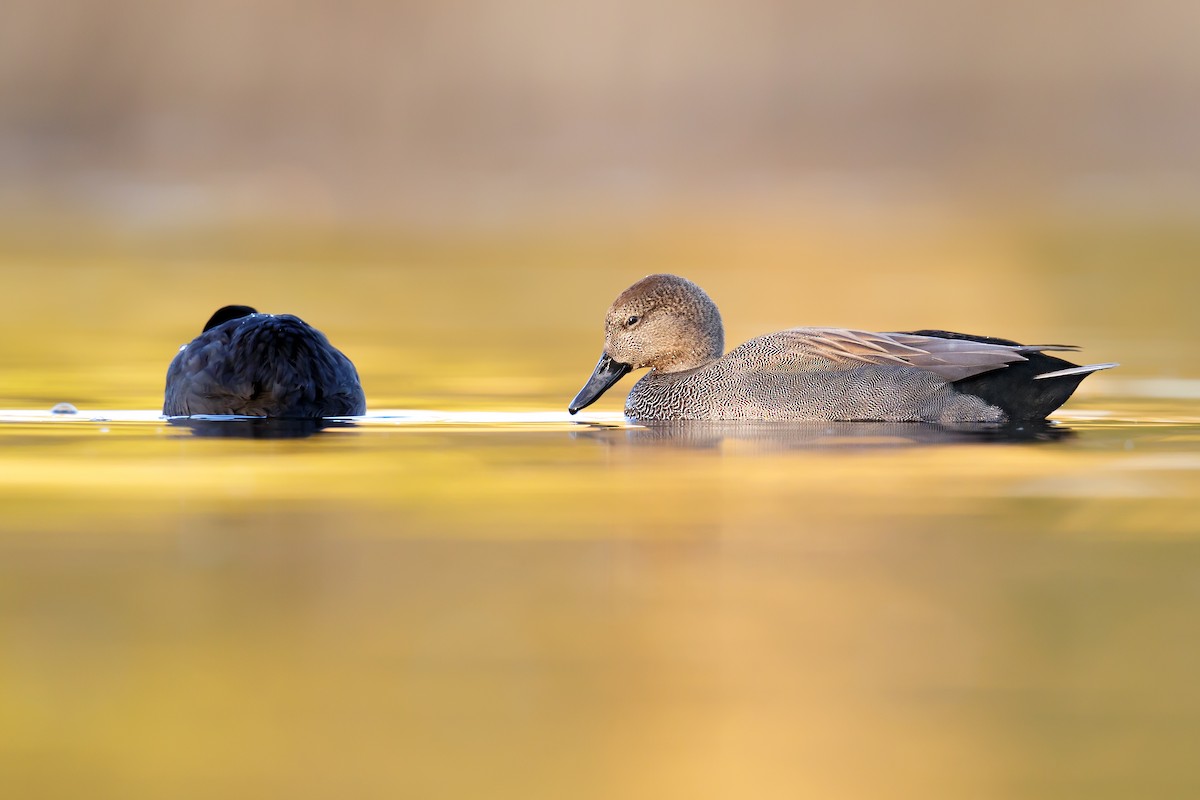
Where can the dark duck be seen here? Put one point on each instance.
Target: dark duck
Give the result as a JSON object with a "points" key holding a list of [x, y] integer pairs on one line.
{"points": [[262, 365]]}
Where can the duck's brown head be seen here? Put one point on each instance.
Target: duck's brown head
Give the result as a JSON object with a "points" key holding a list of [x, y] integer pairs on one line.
{"points": [[663, 322]]}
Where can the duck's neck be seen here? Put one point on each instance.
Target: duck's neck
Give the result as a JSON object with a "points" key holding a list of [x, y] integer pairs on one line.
{"points": [[707, 349]]}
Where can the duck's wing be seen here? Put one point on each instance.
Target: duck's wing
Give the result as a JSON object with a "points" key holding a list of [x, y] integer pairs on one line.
{"points": [[200, 381], [951, 359]]}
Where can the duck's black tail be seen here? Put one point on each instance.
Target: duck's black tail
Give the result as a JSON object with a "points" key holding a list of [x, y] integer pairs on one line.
{"points": [[1026, 390]]}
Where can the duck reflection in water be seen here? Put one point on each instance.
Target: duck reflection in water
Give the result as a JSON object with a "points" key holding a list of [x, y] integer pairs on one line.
{"points": [[247, 364], [223, 427], [778, 436]]}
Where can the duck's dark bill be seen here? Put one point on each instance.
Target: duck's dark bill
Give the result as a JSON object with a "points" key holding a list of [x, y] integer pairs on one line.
{"points": [[607, 373]]}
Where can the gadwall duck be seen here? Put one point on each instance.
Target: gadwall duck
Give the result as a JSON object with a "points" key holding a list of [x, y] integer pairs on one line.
{"points": [[670, 325], [262, 365]]}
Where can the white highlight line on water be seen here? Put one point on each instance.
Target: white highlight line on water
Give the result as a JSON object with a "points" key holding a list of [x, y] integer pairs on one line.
{"points": [[383, 417]]}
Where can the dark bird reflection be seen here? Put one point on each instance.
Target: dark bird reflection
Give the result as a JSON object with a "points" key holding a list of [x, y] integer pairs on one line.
{"points": [[819, 435], [256, 427]]}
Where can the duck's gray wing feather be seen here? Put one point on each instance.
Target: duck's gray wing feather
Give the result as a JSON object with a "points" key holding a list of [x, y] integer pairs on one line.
{"points": [[844, 349]]}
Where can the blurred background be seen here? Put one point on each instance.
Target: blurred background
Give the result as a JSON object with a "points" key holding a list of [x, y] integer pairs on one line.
{"points": [[492, 174], [487, 113]]}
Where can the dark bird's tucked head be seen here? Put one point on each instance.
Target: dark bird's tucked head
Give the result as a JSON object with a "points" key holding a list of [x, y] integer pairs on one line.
{"points": [[227, 313]]}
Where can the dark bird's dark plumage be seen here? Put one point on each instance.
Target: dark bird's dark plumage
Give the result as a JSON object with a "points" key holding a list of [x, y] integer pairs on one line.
{"points": [[262, 365]]}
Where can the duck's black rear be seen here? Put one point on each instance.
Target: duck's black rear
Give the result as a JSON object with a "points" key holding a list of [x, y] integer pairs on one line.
{"points": [[1017, 389]]}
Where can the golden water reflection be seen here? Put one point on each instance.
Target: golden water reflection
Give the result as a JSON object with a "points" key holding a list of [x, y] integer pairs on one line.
{"points": [[450, 606], [490, 598]]}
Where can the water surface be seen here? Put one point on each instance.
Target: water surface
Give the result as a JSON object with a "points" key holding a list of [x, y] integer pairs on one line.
{"points": [[449, 604], [469, 593]]}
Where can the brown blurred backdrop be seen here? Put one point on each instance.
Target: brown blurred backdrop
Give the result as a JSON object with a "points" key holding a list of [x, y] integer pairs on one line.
{"points": [[460, 111]]}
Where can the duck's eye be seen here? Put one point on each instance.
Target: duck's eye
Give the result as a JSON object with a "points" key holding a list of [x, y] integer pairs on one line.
{"points": [[629, 323]]}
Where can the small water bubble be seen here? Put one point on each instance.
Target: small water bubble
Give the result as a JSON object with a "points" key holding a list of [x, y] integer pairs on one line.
{"points": [[64, 408]]}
